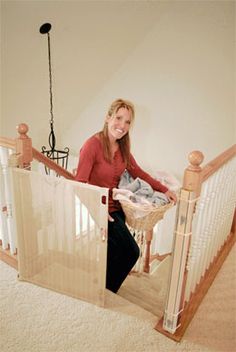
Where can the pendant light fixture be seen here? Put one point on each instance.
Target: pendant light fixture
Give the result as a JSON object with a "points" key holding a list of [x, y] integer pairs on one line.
{"points": [[59, 156]]}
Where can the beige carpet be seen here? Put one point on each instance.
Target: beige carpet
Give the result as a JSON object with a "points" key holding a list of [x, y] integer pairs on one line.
{"points": [[34, 319]]}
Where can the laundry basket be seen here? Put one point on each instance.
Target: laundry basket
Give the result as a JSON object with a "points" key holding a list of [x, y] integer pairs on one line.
{"points": [[144, 218]]}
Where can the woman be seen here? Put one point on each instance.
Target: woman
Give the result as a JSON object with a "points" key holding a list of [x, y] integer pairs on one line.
{"points": [[103, 159]]}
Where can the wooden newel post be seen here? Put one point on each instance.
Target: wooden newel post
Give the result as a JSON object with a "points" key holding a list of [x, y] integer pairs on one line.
{"points": [[192, 175], [173, 317], [192, 183], [24, 147]]}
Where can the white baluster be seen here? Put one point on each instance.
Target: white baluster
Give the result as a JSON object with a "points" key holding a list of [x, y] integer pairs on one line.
{"points": [[8, 200], [211, 223], [3, 208]]}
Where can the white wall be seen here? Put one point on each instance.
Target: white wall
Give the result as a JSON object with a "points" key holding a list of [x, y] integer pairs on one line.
{"points": [[174, 59]]}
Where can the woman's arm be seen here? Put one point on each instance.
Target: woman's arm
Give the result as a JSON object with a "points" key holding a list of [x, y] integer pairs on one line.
{"points": [[86, 161], [136, 171]]}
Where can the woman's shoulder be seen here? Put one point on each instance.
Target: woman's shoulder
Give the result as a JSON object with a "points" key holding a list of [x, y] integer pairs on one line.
{"points": [[93, 140]]}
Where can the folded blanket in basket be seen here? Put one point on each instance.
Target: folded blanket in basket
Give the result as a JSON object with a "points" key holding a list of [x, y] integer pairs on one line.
{"points": [[141, 190]]}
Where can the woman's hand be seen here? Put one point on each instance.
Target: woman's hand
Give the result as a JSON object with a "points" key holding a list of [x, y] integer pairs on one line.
{"points": [[171, 196]]}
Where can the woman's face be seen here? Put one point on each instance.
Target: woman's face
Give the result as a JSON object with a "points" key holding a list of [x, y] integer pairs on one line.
{"points": [[119, 124]]}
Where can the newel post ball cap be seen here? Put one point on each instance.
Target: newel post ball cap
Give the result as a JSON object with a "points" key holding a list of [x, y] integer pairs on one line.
{"points": [[22, 129], [195, 158]]}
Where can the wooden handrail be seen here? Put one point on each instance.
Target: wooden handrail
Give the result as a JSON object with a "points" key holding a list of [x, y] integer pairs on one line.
{"points": [[195, 175], [216, 163], [178, 312], [11, 144], [52, 165], [7, 142]]}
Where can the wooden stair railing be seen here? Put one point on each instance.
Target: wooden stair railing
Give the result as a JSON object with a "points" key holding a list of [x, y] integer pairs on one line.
{"points": [[7, 143], [52, 165], [25, 153], [178, 315], [22, 155]]}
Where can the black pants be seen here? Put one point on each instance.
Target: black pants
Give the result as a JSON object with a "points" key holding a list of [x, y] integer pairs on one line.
{"points": [[122, 251]]}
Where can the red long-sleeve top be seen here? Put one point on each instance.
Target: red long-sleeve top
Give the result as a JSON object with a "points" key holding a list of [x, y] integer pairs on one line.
{"points": [[95, 170]]}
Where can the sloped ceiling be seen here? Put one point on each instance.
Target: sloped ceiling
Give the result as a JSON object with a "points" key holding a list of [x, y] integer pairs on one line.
{"points": [[89, 42]]}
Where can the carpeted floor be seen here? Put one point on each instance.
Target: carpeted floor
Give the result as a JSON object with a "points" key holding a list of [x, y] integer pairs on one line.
{"points": [[34, 319]]}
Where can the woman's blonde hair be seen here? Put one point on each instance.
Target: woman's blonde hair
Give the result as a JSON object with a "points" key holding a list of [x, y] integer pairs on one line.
{"points": [[124, 142]]}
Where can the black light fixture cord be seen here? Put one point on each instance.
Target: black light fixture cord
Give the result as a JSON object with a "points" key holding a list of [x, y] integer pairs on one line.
{"points": [[52, 139]]}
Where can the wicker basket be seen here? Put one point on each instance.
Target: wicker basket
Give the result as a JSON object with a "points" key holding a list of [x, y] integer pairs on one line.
{"points": [[148, 220]]}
